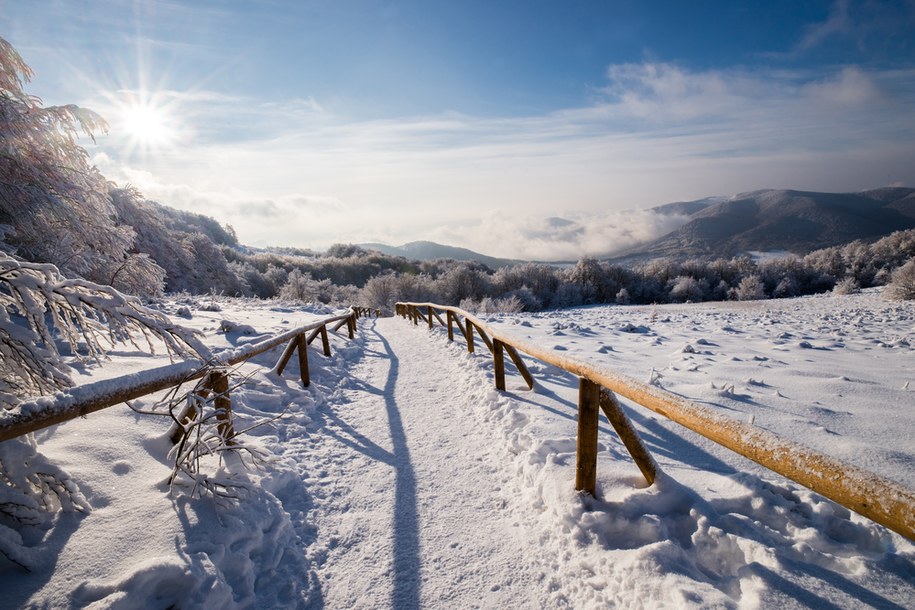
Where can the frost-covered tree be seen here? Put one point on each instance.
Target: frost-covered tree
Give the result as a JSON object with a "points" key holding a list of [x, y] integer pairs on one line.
{"points": [[847, 285], [39, 307], [300, 287], [381, 291], [57, 205], [902, 282], [751, 288], [525, 297], [686, 288], [595, 280], [460, 282], [54, 199]]}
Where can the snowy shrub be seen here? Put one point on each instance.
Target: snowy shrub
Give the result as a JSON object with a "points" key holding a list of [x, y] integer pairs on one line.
{"points": [[35, 298], [380, 291], [229, 326], [302, 288], [415, 288], [567, 295], [469, 305], [750, 288], [593, 280], [847, 285], [685, 288], [541, 279], [209, 457], [510, 304], [622, 297], [460, 282], [525, 296], [31, 490], [786, 287], [902, 282]]}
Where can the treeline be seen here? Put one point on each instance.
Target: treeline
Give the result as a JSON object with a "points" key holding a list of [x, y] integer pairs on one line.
{"points": [[534, 286], [347, 274]]}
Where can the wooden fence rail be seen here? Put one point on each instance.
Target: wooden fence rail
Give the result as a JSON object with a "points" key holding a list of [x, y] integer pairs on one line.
{"points": [[45, 411], [882, 500]]}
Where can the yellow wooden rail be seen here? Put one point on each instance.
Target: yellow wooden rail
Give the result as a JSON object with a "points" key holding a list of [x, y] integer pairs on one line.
{"points": [[39, 413], [882, 500]]}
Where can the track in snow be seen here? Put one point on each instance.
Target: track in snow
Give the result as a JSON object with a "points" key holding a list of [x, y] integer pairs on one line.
{"points": [[407, 491]]}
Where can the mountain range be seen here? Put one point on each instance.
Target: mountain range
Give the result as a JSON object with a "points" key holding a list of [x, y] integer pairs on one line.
{"points": [[758, 221], [786, 220], [429, 250]]}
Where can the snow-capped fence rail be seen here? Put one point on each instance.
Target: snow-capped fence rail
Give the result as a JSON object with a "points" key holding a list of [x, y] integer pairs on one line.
{"points": [[366, 311], [45, 411], [880, 499]]}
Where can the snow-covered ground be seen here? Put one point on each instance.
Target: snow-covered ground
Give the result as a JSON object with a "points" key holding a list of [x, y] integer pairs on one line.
{"points": [[401, 478]]}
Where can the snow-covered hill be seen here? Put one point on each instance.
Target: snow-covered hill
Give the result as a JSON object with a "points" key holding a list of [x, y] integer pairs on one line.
{"points": [[768, 220], [401, 478]]}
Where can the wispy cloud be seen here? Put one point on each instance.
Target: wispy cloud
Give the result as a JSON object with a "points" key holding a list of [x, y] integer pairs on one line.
{"points": [[838, 23]]}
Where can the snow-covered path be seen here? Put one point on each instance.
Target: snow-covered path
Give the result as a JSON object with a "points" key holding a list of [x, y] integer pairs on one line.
{"points": [[394, 471]]}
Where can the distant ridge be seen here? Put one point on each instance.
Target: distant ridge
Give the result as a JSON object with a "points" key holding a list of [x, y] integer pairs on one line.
{"points": [[768, 220], [429, 250]]}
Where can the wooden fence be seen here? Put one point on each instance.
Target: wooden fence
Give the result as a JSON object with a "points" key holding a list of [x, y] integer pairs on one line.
{"points": [[880, 499], [75, 402]]}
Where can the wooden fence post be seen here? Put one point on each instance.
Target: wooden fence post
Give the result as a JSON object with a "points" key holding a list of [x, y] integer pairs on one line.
{"points": [[325, 342], [519, 364], [176, 433], [586, 454], [351, 326], [303, 360], [287, 354], [469, 335], [429, 315], [450, 317], [223, 404], [637, 449], [498, 360]]}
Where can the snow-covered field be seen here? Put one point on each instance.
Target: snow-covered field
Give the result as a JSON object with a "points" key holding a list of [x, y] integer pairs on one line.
{"points": [[401, 478]]}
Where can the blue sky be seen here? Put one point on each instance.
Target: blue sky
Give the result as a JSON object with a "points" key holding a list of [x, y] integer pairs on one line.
{"points": [[478, 123]]}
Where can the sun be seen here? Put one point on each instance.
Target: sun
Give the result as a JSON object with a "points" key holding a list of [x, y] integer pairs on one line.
{"points": [[147, 123]]}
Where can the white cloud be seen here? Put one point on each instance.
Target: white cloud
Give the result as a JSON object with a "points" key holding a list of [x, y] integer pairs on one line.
{"points": [[851, 87], [293, 173], [553, 239]]}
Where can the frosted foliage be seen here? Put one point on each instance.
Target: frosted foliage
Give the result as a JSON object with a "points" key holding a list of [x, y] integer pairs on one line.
{"points": [[208, 444], [36, 300], [847, 285], [902, 282], [31, 490], [750, 288], [380, 291], [48, 187]]}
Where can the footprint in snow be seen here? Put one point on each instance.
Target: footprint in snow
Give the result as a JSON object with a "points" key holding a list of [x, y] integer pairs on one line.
{"points": [[120, 468]]}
